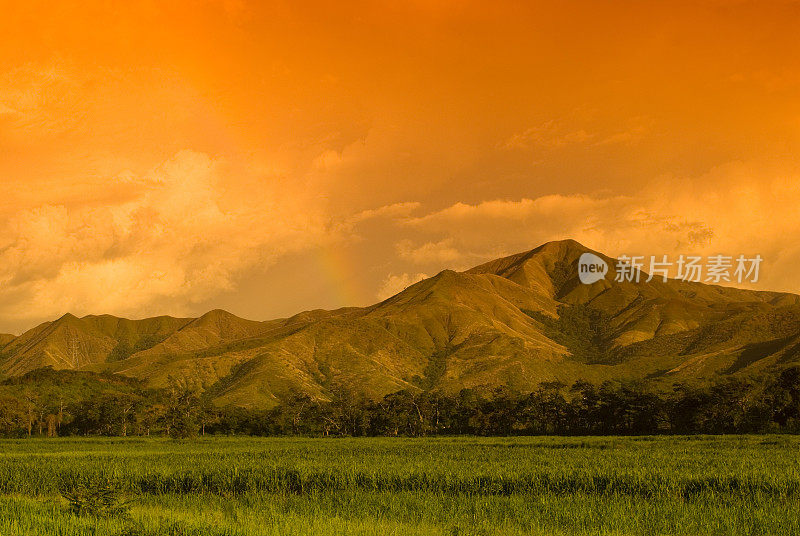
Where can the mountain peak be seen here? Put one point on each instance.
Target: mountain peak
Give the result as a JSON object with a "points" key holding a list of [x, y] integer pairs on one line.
{"points": [[220, 324], [565, 244], [218, 313], [544, 269], [555, 250], [218, 320]]}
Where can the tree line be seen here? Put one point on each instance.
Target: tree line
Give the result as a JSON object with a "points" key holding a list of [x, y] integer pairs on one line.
{"points": [[39, 404]]}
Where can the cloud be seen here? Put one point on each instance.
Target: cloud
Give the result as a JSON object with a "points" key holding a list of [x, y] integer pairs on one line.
{"points": [[394, 210], [397, 283], [184, 237], [429, 252], [625, 137], [551, 134], [576, 131], [39, 99]]}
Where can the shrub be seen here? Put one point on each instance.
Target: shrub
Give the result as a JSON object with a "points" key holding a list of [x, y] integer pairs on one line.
{"points": [[94, 497]]}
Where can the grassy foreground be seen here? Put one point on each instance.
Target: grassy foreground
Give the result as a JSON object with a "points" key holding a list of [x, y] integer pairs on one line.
{"points": [[545, 486]]}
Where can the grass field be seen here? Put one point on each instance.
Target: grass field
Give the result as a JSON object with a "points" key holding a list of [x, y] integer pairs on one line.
{"points": [[454, 486]]}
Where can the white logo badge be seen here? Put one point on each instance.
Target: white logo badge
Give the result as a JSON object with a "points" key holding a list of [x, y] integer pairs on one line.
{"points": [[591, 268]]}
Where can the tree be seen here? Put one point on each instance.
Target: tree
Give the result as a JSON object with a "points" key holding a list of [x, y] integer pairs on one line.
{"points": [[584, 408], [31, 403], [784, 397], [182, 409]]}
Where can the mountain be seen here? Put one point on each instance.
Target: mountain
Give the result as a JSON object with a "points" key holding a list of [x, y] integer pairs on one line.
{"points": [[515, 321]]}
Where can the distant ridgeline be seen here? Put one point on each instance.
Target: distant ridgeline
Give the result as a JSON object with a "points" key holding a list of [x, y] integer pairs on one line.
{"points": [[52, 403], [516, 345]]}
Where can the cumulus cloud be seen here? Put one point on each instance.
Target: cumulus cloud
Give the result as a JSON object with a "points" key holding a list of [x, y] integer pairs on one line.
{"points": [[184, 237], [429, 252], [394, 210]]}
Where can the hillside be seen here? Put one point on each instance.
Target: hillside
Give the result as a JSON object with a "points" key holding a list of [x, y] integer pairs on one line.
{"points": [[75, 343], [515, 321]]}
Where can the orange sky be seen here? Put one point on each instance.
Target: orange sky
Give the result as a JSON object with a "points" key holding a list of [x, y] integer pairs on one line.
{"points": [[267, 157]]}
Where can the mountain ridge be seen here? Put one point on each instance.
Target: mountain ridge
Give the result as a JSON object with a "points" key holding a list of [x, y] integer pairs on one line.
{"points": [[513, 322]]}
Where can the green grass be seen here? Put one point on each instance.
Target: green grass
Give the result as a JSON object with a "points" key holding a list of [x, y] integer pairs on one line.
{"points": [[551, 486]]}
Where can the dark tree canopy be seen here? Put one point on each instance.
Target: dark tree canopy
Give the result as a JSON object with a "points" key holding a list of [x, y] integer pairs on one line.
{"points": [[47, 402]]}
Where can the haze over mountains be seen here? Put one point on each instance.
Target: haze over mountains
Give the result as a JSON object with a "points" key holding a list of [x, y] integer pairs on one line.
{"points": [[515, 321]]}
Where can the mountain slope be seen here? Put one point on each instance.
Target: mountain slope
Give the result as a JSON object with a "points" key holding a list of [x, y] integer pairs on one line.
{"points": [[515, 321], [74, 343]]}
